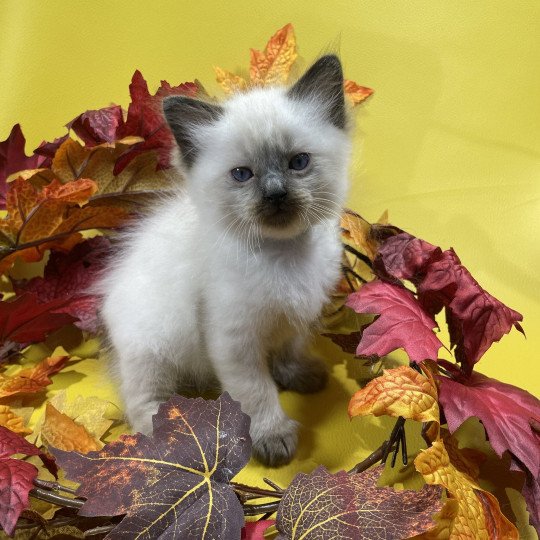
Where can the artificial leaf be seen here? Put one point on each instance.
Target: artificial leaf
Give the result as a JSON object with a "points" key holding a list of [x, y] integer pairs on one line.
{"points": [[60, 431], [479, 515], [13, 159], [9, 419], [25, 320], [34, 379], [504, 410], [355, 229], [16, 477], [98, 126], [174, 483], [398, 392], [230, 82], [347, 342], [48, 149], [273, 65], [531, 493], [254, 530], [341, 505], [356, 93], [402, 322], [69, 276], [444, 520]]}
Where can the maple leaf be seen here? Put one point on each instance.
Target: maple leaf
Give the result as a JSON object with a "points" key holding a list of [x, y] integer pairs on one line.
{"points": [[356, 93], [33, 379], [48, 149], [478, 514], [68, 276], [16, 477], [12, 421], [397, 392], [402, 322], [13, 159], [175, 483], [98, 126], [254, 530], [506, 413], [341, 505], [25, 320], [475, 318]]}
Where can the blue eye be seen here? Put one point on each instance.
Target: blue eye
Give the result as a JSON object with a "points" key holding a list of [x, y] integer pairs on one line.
{"points": [[241, 174], [299, 162]]}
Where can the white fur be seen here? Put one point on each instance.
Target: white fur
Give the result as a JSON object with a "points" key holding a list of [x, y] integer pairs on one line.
{"points": [[195, 296]]}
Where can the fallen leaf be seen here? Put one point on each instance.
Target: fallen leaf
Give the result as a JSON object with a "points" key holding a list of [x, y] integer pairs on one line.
{"points": [[402, 323], [175, 483], [12, 421], [400, 391], [479, 515], [341, 505], [60, 431], [69, 276], [356, 93], [16, 477], [34, 379]]}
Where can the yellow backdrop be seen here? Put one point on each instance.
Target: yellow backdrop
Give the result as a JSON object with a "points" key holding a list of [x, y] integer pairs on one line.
{"points": [[449, 143]]}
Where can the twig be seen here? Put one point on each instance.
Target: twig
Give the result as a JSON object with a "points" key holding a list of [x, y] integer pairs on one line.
{"points": [[53, 486], [60, 500], [373, 458], [358, 255]]}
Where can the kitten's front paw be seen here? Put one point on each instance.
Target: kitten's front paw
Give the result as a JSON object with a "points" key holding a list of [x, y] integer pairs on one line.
{"points": [[277, 447], [140, 418], [304, 375]]}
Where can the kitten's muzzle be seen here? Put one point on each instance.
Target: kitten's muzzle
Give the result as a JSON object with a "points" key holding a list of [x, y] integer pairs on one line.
{"points": [[275, 195]]}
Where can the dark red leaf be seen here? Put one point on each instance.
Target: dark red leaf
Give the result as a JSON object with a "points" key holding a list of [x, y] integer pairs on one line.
{"points": [[13, 159], [174, 484], [402, 322], [347, 342], [254, 530], [16, 477], [531, 493], [48, 150], [69, 276], [98, 126], [323, 505], [504, 410], [145, 119]]}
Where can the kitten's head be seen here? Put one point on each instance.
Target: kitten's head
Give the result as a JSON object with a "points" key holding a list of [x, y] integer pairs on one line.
{"points": [[271, 160]]}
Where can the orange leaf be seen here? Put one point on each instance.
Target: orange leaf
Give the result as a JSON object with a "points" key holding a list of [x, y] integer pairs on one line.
{"points": [[12, 421], [273, 65], [479, 515], [398, 392], [230, 82], [355, 92], [60, 431], [32, 379]]}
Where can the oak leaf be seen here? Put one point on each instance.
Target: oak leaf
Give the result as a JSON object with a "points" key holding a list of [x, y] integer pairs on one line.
{"points": [[16, 477], [478, 515], [402, 323], [69, 276], [351, 506], [174, 483], [398, 392], [33, 379]]}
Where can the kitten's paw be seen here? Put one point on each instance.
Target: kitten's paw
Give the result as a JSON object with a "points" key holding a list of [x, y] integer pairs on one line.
{"points": [[305, 375], [141, 419], [277, 447]]}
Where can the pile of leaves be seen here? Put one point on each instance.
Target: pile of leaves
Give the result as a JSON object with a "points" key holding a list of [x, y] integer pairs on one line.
{"points": [[62, 206]]}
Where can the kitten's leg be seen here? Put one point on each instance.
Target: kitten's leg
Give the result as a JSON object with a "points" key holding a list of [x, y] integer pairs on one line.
{"points": [[241, 367], [292, 369]]}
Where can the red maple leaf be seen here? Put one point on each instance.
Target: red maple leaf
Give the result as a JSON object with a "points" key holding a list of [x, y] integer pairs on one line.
{"points": [[145, 119], [48, 150], [13, 159], [98, 126], [508, 414], [402, 322], [68, 277]]}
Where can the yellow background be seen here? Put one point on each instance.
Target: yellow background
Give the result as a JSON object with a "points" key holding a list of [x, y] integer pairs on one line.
{"points": [[449, 143]]}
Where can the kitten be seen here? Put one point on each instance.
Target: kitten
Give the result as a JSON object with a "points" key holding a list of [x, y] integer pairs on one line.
{"points": [[224, 282]]}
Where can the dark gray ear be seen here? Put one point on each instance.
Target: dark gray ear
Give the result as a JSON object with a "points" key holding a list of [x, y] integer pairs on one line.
{"points": [[323, 82], [184, 115]]}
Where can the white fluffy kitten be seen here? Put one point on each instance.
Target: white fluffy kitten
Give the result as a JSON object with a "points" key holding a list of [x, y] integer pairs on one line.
{"points": [[225, 280]]}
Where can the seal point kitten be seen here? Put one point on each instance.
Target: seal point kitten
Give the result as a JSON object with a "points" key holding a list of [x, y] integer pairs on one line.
{"points": [[221, 285]]}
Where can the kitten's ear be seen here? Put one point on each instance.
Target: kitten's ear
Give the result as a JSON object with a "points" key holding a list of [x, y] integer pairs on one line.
{"points": [[323, 84], [184, 115]]}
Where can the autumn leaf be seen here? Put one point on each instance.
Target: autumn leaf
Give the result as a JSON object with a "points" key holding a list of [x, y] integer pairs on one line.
{"points": [[402, 323], [356, 230], [98, 126], [25, 320], [341, 505], [174, 483], [398, 392], [356, 93], [68, 276], [48, 149], [230, 82], [12, 421], [13, 159], [254, 530], [347, 342], [479, 515], [34, 379], [16, 477]]}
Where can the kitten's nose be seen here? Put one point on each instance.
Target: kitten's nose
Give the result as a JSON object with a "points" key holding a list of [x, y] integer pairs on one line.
{"points": [[275, 195]]}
